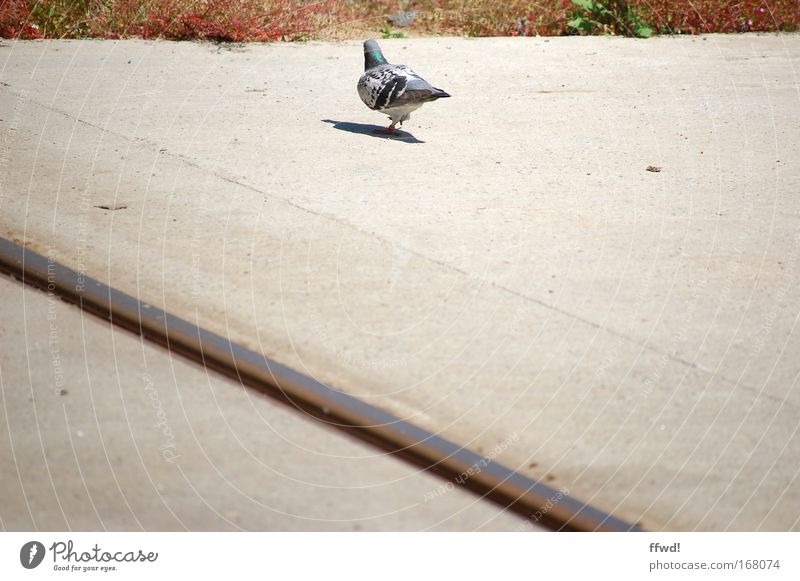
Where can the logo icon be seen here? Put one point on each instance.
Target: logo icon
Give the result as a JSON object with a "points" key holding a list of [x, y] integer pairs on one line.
{"points": [[31, 554]]}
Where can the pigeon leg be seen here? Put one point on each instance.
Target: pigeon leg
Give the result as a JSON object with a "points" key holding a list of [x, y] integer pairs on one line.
{"points": [[390, 131]]}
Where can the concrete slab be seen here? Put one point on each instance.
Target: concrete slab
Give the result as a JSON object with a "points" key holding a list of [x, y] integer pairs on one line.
{"points": [[513, 272], [104, 432]]}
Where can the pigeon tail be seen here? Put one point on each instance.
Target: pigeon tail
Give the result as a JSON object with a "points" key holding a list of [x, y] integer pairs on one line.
{"points": [[373, 55]]}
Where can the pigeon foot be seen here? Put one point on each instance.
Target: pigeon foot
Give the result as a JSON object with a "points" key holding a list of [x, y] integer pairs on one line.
{"points": [[388, 131]]}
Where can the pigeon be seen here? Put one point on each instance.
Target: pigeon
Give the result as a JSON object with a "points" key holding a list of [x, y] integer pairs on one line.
{"points": [[395, 90]]}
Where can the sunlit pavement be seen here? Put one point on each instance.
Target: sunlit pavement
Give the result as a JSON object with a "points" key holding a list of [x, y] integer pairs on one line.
{"points": [[584, 264]]}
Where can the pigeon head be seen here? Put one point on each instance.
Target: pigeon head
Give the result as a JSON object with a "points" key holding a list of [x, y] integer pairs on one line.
{"points": [[373, 56]]}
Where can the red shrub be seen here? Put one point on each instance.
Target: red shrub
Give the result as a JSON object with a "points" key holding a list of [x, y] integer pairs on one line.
{"points": [[15, 20], [220, 20], [269, 20], [702, 16]]}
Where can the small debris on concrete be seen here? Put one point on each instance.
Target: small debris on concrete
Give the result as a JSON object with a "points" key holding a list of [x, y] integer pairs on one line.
{"points": [[654, 168], [112, 206]]}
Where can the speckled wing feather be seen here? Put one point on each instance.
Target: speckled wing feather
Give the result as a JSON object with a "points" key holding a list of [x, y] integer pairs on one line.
{"points": [[390, 86]]}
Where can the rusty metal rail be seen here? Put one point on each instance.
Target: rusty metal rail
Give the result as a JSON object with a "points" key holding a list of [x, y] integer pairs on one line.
{"points": [[529, 498]]}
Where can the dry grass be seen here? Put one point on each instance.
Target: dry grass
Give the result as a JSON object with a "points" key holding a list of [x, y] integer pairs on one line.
{"points": [[271, 20]]}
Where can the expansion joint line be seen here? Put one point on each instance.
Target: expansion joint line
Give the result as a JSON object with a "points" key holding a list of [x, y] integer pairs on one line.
{"points": [[531, 499]]}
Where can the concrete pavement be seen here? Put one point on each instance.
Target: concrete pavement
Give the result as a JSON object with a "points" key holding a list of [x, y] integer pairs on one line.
{"points": [[106, 432], [513, 271]]}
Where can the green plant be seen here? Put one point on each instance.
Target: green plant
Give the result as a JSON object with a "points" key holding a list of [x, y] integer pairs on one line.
{"points": [[59, 18], [387, 32], [608, 17]]}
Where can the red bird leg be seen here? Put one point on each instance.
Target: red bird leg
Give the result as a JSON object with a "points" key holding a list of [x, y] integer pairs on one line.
{"points": [[390, 131]]}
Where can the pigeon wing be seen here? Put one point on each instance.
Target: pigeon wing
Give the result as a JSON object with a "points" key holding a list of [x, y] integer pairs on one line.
{"points": [[416, 89], [380, 86], [395, 86]]}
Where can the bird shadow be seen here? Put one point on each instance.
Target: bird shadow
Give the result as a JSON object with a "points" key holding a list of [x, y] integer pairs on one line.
{"points": [[370, 130]]}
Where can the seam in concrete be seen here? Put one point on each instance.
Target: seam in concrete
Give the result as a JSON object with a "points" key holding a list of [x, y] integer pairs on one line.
{"points": [[516, 492]]}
